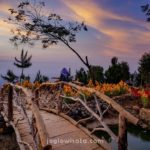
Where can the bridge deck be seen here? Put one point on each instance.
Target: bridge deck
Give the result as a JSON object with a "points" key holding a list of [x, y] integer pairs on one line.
{"points": [[62, 131], [62, 134], [24, 129]]}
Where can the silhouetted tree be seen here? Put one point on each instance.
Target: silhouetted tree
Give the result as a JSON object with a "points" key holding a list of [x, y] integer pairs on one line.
{"points": [[144, 68], [125, 71], [23, 62], [97, 73], [40, 78], [10, 77], [114, 61], [81, 76], [146, 10], [135, 79], [33, 25], [117, 71]]}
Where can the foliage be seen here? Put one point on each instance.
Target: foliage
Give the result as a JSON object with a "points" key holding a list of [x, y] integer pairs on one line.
{"points": [[10, 76], [82, 76], [23, 62], [40, 78], [68, 90], [32, 24], [146, 11], [97, 73], [135, 79], [125, 71], [36, 85], [143, 94], [111, 89], [107, 89], [117, 71], [144, 68], [29, 85]]}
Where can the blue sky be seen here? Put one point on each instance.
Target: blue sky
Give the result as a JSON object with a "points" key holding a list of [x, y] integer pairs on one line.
{"points": [[115, 28]]}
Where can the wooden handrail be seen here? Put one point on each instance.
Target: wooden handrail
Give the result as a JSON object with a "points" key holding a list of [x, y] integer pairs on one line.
{"points": [[43, 135], [40, 127], [132, 119], [123, 114]]}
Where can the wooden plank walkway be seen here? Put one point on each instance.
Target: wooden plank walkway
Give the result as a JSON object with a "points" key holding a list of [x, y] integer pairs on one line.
{"points": [[62, 134], [23, 128]]}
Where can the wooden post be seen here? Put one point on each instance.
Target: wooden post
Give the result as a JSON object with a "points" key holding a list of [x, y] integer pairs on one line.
{"points": [[10, 103], [37, 97], [122, 141], [60, 104]]}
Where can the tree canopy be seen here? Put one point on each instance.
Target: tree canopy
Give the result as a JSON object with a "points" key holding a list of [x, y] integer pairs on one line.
{"points": [[81, 76], [144, 68], [117, 71]]}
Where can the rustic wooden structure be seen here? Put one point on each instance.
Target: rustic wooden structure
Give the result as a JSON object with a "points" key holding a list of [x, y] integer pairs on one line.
{"points": [[38, 129], [124, 115], [37, 123]]}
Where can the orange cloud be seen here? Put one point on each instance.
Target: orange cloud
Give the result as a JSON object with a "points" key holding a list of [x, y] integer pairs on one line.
{"points": [[120, 40]]}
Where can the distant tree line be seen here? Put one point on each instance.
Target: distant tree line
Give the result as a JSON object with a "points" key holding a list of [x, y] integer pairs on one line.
{"points": [[118, 71]]}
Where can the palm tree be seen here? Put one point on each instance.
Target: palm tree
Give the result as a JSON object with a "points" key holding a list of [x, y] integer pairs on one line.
{"points": [[10, 76], [23, 62]]}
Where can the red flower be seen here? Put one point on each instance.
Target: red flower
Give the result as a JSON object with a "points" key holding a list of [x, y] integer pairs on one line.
{"points": [[135, 92]]}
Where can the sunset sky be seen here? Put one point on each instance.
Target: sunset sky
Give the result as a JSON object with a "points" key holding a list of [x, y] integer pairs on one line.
{"points": [[115, 28]]}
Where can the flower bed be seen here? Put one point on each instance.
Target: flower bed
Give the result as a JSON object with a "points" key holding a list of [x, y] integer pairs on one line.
{"points": [[28, 84], [111, 89], [108, 89], [143, 95]]}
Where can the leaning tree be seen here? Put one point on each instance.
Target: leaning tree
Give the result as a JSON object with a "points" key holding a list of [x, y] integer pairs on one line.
{"points": [[33, 24], [23, 62]]}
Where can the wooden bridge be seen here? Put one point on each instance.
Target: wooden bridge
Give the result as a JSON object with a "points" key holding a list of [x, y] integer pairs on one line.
{"points": [[44, 119]]}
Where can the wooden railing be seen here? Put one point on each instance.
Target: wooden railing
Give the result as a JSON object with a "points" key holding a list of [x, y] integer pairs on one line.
{"points": [[39, 123], [34, 104], [124, 116]]}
